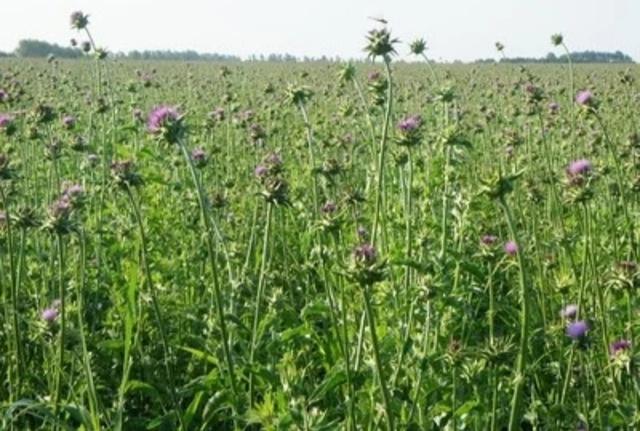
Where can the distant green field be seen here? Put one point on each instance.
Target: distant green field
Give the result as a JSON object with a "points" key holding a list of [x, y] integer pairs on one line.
{"points": [[317, 246]]}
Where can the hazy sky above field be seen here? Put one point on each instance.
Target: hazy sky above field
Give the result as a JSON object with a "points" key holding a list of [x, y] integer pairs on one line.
{"points": [[454, 29]]}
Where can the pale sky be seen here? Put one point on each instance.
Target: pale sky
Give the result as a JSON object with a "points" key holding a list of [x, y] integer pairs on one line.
{"points": [[454, 29]]}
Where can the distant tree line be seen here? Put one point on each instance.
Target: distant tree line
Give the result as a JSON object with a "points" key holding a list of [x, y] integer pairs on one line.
{"points": [[31, 48], [36, 48], [188, 55], [39, 48], [576, 57]]}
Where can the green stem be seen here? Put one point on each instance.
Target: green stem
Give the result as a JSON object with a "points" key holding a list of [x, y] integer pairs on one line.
{"points": [[155, 305], [63, 318], [259, 295], [312, 160], [93, 398], [516, 403], [382, 151], [376, 356], [214, 269]]}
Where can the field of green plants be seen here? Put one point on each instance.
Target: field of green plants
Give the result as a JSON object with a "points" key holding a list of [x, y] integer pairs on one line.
{"points": [[318, 246]]}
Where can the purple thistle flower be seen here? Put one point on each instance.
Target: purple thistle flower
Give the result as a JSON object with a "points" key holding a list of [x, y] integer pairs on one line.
{"points": [[329, 207], [511, 248], [61, 208], [584, 98], [410, 124], [261, 171], [74, 191], [49, 315], [5, 121], [273, 159], [68, 122], [161, 117], [488, 240], [579, 168], [199, 157], [577, 330], [554, 107], [619, 346], [365, 253], [570, 311], [373, 76], [217, 114]]}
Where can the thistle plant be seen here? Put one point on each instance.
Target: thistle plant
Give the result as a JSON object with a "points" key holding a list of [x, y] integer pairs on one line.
{"points": [[365, 285], [419, 48]]}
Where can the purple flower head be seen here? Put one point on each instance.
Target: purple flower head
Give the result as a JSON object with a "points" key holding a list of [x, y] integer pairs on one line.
{"points": [[584, 98], [85, 46], [365, 253], [577, 330], [199, 157], [488, 240], [410, 124], [273, 160], [530, 88], [511, 248], [329, 207], [5, 121], [61, 208], [261, 171], [74, 190], [162, 117], [554, 107], [49, 315], [79, 20], [570, 311], [68, 122], [619, 346], [217, 114], [579, 168], [373, 76], [347, 138]]}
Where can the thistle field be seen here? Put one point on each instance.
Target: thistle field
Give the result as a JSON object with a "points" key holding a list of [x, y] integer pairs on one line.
{"points": [[318, 246]]}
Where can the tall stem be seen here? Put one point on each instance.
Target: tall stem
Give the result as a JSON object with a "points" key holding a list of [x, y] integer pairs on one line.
{"points": [[214, 269], [312, 160], [259, 295], [156, 306], [376, 356], [63, 324], [382, 151], [516, 403]]}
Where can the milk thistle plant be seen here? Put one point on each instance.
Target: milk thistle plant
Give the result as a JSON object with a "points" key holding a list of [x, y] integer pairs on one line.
{"points": [[317, 246]]}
